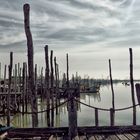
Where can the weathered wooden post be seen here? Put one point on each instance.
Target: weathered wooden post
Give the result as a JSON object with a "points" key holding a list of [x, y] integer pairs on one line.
{"points": [[24, 87], [0, 76], [41, 81], [72, 114], [26, 9], [56, 84], [72, 106], [138, 92], [35, 84], [132, 86], [47, 84], [18, 77], [52, 88], [112, 110], [67, 58], [57, 67], [4, 90], [15, 85], [96, 117], [9, 85]]}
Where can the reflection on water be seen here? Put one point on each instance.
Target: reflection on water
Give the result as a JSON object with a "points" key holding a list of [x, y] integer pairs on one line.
{"points": [[86, 114]]}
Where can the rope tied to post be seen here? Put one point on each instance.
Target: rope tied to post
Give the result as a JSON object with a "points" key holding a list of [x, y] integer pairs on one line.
{"points": [[102, 109], [106, 109]]}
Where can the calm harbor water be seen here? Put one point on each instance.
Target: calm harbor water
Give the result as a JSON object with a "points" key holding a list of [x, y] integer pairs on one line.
{"points": [[86, 114]]}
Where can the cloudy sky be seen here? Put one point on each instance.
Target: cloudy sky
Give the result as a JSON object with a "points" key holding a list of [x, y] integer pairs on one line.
{"points": [[91, 31]]}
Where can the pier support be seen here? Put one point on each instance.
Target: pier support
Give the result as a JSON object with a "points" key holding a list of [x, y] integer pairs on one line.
{"points": [[72, 115]]}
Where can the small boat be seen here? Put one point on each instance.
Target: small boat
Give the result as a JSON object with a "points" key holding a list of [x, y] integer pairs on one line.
{"points": [[93, 89], [126, 83]]}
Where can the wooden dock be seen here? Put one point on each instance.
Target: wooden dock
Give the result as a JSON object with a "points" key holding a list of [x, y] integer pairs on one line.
{"points": [[84, 133]]}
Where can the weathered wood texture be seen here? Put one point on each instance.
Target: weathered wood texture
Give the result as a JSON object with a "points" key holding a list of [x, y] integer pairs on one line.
{"points": [[47, 84], [72, 115], [67, 59], [52, 88], [132, 86], [138, 92], [56, 85], [91, 133], [4, 89], [24, 87], [96, 117], [9, 86], [112, 113], [15, 84], [26, 9]]}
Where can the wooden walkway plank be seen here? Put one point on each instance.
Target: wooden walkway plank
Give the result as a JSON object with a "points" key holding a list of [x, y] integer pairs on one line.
{"points": [[129, 136], [98, 137], [110, 137], [136, 135], [122, 137], [92, 138], [82, 138], [76, 138]]}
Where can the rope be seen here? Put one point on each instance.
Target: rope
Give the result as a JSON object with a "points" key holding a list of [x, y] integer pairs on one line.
{"points": [[42, 111], [105, 109]]}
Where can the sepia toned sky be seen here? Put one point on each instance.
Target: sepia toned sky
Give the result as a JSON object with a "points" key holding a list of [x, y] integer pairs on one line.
{"points": [[91, 31]]}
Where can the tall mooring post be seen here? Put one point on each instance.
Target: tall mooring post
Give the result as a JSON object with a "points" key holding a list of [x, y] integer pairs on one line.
{"points": [[26, 9], [9, 91], [132, 86], [72, 114]]}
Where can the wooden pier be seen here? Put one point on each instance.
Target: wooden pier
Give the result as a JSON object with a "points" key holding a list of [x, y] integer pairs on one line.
{"points": [[84, 133]]}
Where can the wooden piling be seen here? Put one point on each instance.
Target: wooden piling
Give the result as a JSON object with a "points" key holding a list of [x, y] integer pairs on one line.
{"points": [[132, 86], [18, 71], [4, 86], [47, 84], [36, 79], [0, 76], [138, 92], [20, 79], [24, 87], [96, 117], [52, 89], [41, 84], [9, 86], [56, 85], [67, 59], [36, 82], [26, 9], [15, 85], [72, 115], [113, 97], [112, 116]]}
